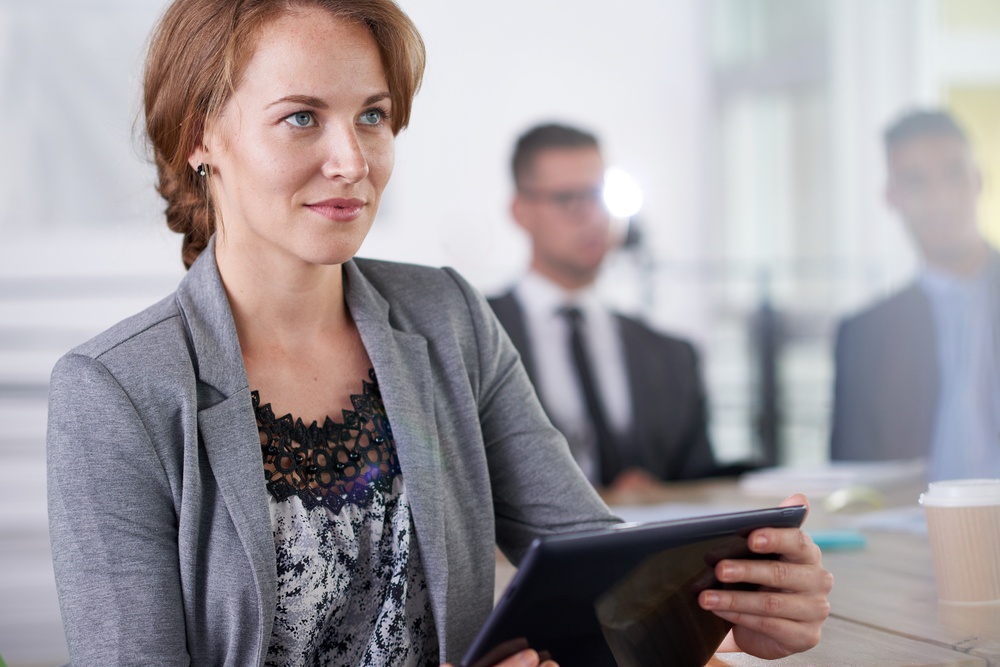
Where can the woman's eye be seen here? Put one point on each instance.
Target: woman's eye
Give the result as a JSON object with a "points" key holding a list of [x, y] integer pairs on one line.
{"points": [[372, 117], [301, 119]]}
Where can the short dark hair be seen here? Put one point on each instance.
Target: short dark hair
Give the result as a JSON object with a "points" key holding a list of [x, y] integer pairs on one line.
{"points": [[921, 123], [545, 137]]}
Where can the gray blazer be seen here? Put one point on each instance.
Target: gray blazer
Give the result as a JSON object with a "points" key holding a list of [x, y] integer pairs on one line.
{"points": [[161, 535]]}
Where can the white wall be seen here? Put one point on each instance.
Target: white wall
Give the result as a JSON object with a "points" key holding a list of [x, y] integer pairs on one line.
{"points": [[632, 71], [878, 49], [74, 168]]}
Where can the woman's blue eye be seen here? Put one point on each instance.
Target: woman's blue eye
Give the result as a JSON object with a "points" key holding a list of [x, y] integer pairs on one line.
{"points": [[301, 119], [372, 117]]}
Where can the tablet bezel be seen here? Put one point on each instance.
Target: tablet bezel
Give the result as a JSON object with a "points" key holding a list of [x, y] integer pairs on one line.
{"points": [[596, 557]]}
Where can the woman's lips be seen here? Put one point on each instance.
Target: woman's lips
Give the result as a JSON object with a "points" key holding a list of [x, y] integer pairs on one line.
{"points": [[338, 210]]}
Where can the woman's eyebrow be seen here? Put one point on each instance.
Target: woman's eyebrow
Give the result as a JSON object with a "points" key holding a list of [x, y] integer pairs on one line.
{"points": [[306, 100], [377, 97], [317, 103]]}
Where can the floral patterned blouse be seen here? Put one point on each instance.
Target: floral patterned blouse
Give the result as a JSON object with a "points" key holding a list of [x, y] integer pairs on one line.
{"points": [[351, 587]]}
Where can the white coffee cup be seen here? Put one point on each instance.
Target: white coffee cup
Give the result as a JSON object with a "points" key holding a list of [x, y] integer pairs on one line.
{"points": [[963, 525]]}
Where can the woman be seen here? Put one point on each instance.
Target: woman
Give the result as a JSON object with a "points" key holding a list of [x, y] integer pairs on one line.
{"points": [[366, 539]]}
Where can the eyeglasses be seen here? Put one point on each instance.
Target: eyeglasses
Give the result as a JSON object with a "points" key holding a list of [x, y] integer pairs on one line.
{"points": [[567, 201]]}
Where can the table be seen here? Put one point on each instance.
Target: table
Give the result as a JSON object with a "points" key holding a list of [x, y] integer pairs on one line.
{"points": [[884, 609]]}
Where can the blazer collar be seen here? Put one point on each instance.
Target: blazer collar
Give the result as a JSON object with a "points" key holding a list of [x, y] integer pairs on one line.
{"points": [[228, 428], [209, 319]]}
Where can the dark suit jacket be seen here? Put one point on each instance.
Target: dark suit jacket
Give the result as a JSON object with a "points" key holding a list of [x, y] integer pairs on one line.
{"points": [[669, 434], [886, 388]]}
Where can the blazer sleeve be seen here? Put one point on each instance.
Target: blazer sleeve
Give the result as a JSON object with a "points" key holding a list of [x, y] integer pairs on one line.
{"points": [[670, 415], [851, 433], [537, 488], [695, 458], [112, 524]]}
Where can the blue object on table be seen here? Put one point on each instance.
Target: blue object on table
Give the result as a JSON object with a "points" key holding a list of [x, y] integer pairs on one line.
{"points": [[833, 540]]}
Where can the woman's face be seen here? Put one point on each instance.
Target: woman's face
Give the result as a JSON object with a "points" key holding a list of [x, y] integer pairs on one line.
{"points": [[301, 152]]}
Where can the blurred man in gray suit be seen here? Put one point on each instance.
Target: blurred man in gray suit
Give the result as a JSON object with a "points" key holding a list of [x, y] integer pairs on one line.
{"points": [[917, 373], [629, 400]]}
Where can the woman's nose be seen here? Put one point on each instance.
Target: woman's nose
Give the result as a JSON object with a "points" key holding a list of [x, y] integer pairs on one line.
{"points": [[345, 157]]}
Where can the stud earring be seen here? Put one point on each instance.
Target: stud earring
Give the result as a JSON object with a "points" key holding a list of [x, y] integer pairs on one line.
{"points": [[202, 170]]}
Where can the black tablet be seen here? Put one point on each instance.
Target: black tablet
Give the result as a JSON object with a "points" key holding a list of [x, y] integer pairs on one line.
{"points": [[623, 596]]}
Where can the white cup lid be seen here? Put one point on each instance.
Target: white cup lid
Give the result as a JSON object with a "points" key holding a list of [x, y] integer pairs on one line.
{"points": [[962, 493]]}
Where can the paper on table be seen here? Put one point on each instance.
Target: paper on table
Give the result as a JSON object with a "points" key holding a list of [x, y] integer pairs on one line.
{"points": [[897, 519], [822, 480]]}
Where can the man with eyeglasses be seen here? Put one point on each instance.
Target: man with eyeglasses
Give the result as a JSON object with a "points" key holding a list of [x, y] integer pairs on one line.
{"points": [[629, 400]]}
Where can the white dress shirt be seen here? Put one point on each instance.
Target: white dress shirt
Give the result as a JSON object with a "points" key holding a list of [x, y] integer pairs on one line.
{"points": [[541, 301]]}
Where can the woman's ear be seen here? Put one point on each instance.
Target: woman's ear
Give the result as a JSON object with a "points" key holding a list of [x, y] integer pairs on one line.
{"points": [[198, 158], [201, 156]]}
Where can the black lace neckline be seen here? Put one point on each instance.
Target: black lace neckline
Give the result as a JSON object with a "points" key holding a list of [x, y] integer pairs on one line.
{"points": [[332, 465]]}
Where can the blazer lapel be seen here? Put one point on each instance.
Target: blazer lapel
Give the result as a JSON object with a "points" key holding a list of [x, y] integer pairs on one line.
{"points": [[402, 367], [230, 441], [226, 423]]}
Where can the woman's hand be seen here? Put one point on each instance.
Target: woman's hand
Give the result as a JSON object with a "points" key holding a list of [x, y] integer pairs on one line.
{"points": [[526, 658], [786, 614]]}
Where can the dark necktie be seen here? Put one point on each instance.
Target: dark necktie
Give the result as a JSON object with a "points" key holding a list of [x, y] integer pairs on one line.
{"points": [[606, 448]]}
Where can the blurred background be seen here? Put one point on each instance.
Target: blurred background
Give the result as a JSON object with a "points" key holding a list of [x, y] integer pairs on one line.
{"points": [[753, 128]]}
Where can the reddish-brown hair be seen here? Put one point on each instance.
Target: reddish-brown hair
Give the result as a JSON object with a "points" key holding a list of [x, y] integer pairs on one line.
{"points": [[197, 56]]}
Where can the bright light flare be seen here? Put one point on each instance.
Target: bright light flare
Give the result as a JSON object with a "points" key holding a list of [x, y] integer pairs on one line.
{"points": [[622, 194]]}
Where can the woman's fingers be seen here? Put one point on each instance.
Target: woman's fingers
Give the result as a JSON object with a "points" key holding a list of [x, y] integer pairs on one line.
{"points": [[792, 544], [795, 499], [794, 607], [775, 574], [526, 658], [785, 614]]}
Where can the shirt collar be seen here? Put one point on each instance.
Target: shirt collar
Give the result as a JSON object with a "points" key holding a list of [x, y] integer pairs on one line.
{"points": [[944, 284], [541, 297], [939, 280]]}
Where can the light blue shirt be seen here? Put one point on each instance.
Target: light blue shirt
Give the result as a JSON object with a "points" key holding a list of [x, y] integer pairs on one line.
{"points": [[966, 440]]}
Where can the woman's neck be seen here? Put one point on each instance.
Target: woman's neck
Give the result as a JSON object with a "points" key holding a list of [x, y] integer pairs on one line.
{"points": [[283, 302], [300, 347]]}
